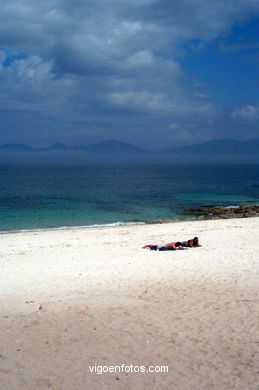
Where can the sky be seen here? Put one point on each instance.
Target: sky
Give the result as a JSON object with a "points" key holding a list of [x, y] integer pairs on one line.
{"points": [[154, 73]]}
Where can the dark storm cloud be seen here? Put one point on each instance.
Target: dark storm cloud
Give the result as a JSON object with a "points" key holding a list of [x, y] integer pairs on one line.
{"points": [[90, 70]]}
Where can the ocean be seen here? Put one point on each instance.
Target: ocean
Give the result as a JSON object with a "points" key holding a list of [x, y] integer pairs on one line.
{"points": [[47, 197]]}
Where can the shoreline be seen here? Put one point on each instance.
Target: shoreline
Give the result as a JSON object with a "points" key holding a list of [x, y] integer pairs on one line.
{"points": [[94, 226], [228, 212]]}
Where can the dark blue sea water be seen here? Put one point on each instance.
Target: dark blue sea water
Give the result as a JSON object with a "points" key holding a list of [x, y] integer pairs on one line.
{"points": [[52, 197]]}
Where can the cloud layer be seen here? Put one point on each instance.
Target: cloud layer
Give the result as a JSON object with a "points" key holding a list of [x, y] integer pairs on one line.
{"points": [[84, 71]]}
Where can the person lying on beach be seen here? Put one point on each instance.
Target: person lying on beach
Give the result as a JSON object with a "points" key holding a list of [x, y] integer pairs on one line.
{"points": [[193, 243], [172, 246]]}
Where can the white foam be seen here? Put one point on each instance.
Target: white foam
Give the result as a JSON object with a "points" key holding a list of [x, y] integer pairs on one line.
{"points": [[231, 207], [95, 226]]}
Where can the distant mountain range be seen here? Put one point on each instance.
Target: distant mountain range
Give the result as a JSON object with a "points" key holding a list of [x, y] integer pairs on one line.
{"points": [[225, 149], [219, 147], [111, 146]]}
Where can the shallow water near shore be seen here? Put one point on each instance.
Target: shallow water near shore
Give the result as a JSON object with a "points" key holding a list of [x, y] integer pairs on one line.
{"points": [[46, 197]]}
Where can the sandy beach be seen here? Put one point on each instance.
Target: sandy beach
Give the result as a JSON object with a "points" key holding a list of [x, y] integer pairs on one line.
{"points": [[75, 298]]}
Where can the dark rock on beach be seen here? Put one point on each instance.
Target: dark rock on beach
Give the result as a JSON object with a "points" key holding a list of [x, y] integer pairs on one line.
{"points": [[223, 213]]}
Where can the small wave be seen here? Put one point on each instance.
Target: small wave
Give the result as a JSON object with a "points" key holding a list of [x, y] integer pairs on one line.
{"points": [[231, 207], [95, 226]]}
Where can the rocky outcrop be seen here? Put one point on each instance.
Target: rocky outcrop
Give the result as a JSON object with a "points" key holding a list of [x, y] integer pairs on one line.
{"points": [[224, 213]]}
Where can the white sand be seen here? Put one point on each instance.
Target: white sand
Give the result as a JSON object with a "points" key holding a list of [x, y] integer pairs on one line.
{"points": [[74, 298]]}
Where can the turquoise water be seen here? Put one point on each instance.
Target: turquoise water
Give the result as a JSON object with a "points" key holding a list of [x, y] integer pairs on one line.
{"points": [[53, 197]]}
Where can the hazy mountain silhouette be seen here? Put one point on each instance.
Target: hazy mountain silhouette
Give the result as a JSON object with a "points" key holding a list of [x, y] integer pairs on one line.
{"points": [[113, 151], [58, 146], [219, 147], [114, 146], [100, 147]]}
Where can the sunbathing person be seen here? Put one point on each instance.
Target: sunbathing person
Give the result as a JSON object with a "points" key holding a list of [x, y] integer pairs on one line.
{"points": [[193, 243], [172, 246]]}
